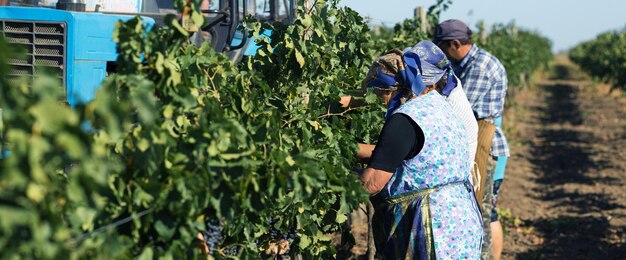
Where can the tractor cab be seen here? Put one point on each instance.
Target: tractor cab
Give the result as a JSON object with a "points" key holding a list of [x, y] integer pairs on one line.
{"points": [[225, 16], [73, 39]]}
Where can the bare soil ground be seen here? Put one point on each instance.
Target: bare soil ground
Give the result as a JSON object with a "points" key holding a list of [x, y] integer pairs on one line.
{"points": [[564, 194]]}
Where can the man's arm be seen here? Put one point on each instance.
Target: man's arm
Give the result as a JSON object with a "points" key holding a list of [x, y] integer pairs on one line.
{"points": [[486, 88], [494, 101]]}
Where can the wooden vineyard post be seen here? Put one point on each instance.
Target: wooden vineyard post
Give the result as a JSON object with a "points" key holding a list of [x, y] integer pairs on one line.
{"points": [[420, 14], [377, 29], [371, 246], [483, 32], [522, 80]]}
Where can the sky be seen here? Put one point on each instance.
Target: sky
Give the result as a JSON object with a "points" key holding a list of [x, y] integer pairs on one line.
{"points": [[565, 22]]}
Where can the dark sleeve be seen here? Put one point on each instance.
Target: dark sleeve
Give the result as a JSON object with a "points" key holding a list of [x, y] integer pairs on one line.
{"points": [[400, 139]]}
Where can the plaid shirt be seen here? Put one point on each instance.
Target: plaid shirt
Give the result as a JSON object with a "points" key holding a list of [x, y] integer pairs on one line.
{"points": [[484, 81]]}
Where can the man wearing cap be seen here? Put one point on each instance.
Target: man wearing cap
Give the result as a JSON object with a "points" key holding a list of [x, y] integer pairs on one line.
{"points": [[484, 80]]}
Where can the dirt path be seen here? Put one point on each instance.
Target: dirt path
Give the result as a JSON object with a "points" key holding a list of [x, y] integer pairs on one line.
{"points": [[564, 195]]}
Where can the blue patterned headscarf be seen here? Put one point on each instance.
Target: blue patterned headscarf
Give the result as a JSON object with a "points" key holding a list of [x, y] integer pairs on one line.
{"points": [[434, 65], [396, 69]]}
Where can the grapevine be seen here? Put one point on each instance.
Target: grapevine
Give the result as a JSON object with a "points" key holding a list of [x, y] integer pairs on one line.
{"points": [[521, 51], [604, 57]]}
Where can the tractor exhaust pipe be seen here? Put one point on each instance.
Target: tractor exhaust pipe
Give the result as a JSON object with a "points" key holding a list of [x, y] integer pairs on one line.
{"points": [[71, 5]]}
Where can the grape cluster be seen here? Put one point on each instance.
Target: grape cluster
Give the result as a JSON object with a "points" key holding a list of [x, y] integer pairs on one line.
{"points": [[276, 234], [289, 235], [280, 240], [231, 250], [212, 233]]}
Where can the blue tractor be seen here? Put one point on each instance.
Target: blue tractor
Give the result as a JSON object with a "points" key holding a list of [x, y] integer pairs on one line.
{"points": [[72, 39]]}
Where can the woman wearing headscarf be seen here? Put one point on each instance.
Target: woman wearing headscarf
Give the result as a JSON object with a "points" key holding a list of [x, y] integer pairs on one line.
{"points": [[418, 172], [435, 65]]}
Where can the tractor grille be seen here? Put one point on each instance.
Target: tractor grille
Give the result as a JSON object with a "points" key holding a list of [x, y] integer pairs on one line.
{"points": [[43, 45]]}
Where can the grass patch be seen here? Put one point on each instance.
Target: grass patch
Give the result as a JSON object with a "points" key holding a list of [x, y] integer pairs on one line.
{"points": [[510, 222]]}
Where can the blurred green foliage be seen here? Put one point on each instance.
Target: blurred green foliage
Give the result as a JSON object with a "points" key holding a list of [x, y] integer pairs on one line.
{"points": [[604, 57]]}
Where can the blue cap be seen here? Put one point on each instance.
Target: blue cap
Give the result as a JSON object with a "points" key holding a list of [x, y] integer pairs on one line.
{"points": [[451, 30]]}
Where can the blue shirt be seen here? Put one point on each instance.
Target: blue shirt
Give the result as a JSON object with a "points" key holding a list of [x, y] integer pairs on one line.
{"points": [[485, 83]]}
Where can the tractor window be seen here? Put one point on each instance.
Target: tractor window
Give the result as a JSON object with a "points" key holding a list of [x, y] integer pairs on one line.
{"points": [[48, 3], [261, 9], [167, 6], [283, 9], [210, 5], [276, 10]]}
